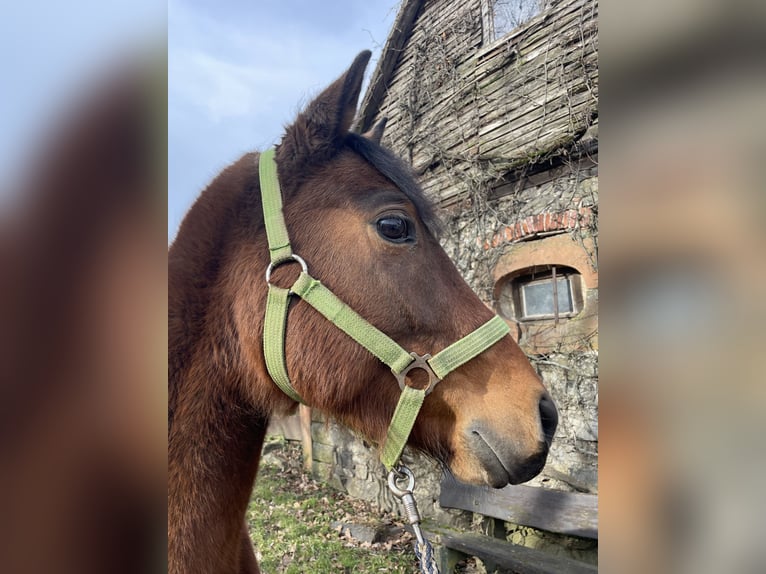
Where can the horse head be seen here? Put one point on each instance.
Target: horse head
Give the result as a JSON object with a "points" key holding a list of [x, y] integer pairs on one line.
{"points": [[357, 216]]}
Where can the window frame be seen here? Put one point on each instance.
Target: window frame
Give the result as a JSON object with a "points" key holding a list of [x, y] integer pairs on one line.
{"points": [[523, 306], [489, 34], [538, 275]]}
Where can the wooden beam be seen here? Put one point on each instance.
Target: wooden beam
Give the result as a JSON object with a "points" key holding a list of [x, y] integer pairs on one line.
{"points": [[520, 559], [572, 513], [398, 37], [304, 412]]}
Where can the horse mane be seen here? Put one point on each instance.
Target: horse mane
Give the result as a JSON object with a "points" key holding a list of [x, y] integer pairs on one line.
{"points": [[387, 163], [195, 258]]}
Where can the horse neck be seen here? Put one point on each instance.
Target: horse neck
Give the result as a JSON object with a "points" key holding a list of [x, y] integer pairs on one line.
{"points": [[194, 266], [214, 447], [215, 431]]}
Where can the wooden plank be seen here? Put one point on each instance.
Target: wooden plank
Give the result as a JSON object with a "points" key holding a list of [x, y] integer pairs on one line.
{"points": [[562, 73], [394, 46], [561, 20], [511, 84], [304, 413], [521, 559], [570, 513], [287, 426], [516, 135]]}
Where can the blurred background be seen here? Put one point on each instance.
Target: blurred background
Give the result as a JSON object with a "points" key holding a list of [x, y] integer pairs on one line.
{"points": [[83, 238], [682, 394], [83, 110]]}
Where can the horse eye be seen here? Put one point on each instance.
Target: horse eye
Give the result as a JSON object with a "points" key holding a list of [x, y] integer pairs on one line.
{"points": [[394, 229]]}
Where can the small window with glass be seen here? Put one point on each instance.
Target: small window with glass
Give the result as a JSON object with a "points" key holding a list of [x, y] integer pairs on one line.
{"points": [[543, 292], [504, 16]]}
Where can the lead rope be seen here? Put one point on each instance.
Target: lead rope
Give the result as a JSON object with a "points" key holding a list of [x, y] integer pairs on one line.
{"points": [[423, 549]]}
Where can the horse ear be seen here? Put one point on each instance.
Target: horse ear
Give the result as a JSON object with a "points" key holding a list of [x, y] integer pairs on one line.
{"points": [[318, 132], [376, 133]]}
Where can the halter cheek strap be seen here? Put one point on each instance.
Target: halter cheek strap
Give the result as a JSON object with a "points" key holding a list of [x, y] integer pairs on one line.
{"points": [[347, 320]]}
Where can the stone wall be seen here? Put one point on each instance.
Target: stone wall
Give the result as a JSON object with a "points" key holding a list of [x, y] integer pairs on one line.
{"points": [[491, 245], [345, 461]]}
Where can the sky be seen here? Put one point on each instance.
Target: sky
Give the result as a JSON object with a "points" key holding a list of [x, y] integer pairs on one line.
{"points": [[238, 72]]}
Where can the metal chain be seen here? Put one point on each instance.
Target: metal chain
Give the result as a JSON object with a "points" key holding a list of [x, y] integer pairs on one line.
{"points": [[423, 549]]}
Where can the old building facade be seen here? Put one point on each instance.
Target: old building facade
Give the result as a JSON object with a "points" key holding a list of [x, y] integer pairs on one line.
{"points": [[495, 105]]}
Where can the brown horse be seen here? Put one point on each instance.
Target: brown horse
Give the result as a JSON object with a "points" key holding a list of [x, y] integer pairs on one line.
{"points": [[356, 215]]}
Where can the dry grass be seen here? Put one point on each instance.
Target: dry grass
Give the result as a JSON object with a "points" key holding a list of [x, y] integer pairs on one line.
{"points": [[294, 524]]}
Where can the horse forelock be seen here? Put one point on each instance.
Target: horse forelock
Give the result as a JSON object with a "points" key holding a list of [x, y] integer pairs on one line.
{"points": [[400, 174], [296, 164]]}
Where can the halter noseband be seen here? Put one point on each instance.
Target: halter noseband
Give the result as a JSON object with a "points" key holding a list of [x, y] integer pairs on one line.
{"points": [[348, 321]]}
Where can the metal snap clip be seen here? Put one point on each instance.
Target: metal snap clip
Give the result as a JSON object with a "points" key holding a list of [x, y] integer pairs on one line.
{"points": [[401, 473]]}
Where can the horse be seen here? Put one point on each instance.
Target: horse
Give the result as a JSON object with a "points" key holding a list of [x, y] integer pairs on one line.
{"points": [[358, 218]]}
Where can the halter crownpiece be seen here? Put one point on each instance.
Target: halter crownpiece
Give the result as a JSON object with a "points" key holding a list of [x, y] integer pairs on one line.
{"points": [[348, 321]]}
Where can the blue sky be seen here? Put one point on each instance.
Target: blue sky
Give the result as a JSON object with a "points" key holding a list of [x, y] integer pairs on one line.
{"points": [[238, 72]]}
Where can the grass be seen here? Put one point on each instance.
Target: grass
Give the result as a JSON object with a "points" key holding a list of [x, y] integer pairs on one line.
{"points": [[293, 524]]}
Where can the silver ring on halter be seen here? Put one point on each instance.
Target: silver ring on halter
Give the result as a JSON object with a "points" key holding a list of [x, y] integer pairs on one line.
{"points": [[293, 257]]}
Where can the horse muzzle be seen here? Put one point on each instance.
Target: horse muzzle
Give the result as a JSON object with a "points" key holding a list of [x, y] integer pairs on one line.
{"points": [[509, 460]]}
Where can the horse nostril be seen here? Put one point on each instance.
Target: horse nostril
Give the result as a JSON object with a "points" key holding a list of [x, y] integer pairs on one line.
{"points": [[549, 417]]}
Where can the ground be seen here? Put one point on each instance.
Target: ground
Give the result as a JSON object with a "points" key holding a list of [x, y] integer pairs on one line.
{"points": [[299, 525]]}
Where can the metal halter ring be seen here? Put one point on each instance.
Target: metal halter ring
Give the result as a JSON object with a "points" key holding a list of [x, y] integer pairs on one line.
{"points": [[420, 362], [293, 257]]}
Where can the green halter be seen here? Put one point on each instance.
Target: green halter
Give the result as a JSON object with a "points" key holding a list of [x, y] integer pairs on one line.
{"points": [[348, 321]]}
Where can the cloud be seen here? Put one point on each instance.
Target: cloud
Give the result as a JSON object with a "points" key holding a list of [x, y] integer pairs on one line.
{"points": [[220, 88], [225, 68], [219, 72], [237, 73]]}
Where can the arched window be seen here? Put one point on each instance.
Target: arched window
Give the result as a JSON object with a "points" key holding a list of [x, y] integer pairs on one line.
{"points": [[541, 293]]}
